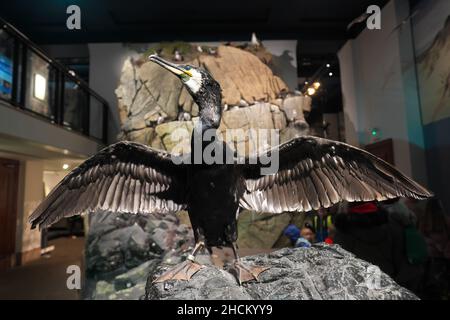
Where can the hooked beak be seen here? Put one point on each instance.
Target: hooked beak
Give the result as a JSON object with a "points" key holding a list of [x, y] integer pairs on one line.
{"points": [[172, 67]]}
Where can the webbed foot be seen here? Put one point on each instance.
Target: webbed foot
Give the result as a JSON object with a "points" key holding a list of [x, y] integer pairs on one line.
{"points": [[182, 271], [244, 272]]}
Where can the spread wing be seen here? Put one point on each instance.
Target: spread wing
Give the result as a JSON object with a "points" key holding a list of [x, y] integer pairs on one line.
{"points": [[317, 173], [124, 177]]}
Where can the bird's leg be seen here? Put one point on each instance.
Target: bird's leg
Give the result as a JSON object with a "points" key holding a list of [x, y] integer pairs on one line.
{"points": [[184, 270], [244, 272]]}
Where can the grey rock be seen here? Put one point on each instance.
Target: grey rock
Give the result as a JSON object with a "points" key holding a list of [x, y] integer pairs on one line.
{"points": [[319, 272], [293, 107], [135, 276], [121, 250]]}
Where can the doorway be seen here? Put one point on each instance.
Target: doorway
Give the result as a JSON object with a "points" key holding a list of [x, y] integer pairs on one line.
{"points": [[9, 178]]}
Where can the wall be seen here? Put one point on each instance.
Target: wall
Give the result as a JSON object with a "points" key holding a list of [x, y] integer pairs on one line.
{"points": [[431, 30], [30, 129], [379, 90], [28, 242]]}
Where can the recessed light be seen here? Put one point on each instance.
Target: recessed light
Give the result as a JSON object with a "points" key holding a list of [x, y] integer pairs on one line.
{"points": [[40, 86], [65, 166]]}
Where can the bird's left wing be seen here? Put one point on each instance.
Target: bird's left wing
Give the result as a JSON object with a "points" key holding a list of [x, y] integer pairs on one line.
{"points": [[317, 173], [124, 177]]}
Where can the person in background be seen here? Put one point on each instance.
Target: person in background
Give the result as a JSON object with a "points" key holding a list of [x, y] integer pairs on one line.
{"points": [[331, 234], [307, 237], [300, 238], [434, 225], [379, 236], [293, 233], [321, 224]]}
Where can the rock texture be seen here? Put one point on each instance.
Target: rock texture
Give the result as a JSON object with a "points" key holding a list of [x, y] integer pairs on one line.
{"points": [[320, 272], [121, 249], [242, 76]]}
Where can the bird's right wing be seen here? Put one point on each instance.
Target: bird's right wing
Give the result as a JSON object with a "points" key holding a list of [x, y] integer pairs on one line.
{"points": [[124, 177]]}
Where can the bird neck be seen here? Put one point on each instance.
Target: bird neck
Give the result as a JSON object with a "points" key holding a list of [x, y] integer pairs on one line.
{"points": [[205, 130], [210, 109], [210, 117]]}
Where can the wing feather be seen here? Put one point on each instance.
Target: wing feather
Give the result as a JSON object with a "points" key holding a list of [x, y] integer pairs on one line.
{"points": [[318, 173], [124, 177]]}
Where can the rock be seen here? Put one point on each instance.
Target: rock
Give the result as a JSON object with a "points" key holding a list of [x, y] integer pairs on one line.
{"points": [[293, 107], [106, 291], [135, 276], [127, 88], [117, 243], [254, 117], [163, 88], [176, 135], [103, 290], [319, 272], [294, 130], [260, 230], [242, 76], [145, 135]]}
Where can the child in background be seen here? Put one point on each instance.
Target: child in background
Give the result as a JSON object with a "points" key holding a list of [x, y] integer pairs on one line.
{"points": [[300, 238]]}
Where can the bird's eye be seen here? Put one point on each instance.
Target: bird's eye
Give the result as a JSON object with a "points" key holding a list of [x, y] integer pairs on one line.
{"points": [[187, 68]]}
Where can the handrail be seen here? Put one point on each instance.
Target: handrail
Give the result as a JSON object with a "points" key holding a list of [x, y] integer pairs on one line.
{"points": [[63, 73], [11, 29]]}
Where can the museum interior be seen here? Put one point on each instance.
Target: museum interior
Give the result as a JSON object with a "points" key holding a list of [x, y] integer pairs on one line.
{"points": [[76, 77]]}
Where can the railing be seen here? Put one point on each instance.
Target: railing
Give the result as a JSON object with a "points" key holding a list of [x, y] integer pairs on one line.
{"points": [[35, 83]]}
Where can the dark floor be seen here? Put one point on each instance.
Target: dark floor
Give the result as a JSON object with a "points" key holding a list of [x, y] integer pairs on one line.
{"points": [[45, 278]]}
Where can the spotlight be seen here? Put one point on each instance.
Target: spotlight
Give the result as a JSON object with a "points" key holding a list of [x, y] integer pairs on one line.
{"points": [[316, 85], [328, 65], [65, 166], [330, 74], [311, 91]]}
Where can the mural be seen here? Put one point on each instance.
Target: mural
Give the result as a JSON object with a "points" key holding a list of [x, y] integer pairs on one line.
{"points": [[431, 23]]}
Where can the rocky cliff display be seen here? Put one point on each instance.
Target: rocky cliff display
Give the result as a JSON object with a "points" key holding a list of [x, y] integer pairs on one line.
{"points": [[153, 103]]}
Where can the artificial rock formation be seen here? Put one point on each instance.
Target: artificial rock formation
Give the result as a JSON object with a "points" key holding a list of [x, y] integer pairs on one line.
{"points": [[121, 249], [316, 273], [153, 102]]}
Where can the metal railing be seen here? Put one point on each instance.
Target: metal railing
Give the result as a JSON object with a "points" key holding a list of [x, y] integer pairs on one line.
{"points": [[39, 85]]}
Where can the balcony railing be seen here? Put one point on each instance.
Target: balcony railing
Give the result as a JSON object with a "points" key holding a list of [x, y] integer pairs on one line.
{"points": [[35, 83]]}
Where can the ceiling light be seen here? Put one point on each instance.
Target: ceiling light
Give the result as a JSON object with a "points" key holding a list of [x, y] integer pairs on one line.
{"points": [[311, 91], [328, 65], [330, 74], [65, 166], [316, 85]]}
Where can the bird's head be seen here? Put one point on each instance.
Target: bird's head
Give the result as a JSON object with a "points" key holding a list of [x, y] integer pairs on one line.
{"points": [[204, 89]]}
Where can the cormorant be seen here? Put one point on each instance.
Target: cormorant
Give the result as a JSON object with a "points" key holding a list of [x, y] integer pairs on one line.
{"points": [[133, 178]]}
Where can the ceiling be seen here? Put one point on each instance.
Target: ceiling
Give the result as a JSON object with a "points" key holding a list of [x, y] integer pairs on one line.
{"points": [[44, 21]]}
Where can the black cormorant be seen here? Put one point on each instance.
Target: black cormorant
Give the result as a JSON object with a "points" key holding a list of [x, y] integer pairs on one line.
{"points": [[133, 178]]}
